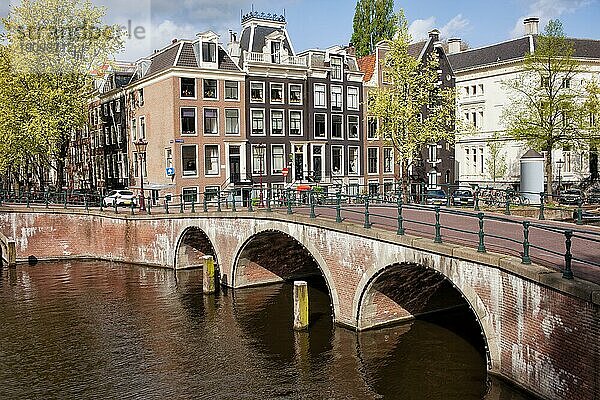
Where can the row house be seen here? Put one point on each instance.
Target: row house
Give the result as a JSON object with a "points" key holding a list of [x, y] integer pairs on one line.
{"points": [[303, 111], [436, 164], [482, 97]]}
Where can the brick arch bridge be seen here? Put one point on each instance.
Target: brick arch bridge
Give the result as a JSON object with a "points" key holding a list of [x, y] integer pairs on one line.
{"points": [[541, 331]]}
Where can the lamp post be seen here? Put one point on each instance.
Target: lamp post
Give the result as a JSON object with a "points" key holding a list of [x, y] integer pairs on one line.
{"points": [[140, 147], [260, 152], [559, 165]]}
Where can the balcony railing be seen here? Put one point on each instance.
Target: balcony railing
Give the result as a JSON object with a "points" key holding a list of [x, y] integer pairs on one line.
{"points": [[267, 58]]}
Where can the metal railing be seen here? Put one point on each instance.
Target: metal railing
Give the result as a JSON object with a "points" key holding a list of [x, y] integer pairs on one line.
{"points": [[505, 233], [251, 56]]}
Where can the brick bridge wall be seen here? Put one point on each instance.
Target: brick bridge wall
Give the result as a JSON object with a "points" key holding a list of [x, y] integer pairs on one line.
{"points": [[542, 332]]}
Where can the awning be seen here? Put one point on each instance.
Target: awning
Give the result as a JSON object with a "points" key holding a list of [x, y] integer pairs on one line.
{"points": [[302, 187]]}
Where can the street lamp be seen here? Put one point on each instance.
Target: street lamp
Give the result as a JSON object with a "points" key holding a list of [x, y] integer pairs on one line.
{"points": [[260, 152], [140, 147], [559, 165]]}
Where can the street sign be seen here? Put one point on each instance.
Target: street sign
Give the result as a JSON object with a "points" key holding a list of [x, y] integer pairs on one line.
{"points": [[179, 140], [170, 171], [285, 172]]}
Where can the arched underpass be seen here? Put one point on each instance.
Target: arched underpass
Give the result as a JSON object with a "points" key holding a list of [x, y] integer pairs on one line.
{"points": [[405, 292], [193, 245]]}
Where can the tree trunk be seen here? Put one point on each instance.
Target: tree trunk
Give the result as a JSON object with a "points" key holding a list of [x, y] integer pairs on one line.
{"points": [[549, 176], [404, 168]]}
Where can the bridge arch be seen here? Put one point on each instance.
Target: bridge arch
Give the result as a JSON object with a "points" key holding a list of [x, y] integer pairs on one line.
{"points": [[192, 244], [439, 266], [288, 234]]}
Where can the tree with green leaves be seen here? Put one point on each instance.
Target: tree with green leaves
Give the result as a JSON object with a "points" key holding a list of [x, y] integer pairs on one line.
{"points": [[374, 20], [52, 48], [413, 110], [496, 162], [591, 123], [545, 110]]}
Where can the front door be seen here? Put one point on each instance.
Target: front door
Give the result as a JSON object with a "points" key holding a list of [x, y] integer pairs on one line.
{"points": [[234, 164], [299, 162]]}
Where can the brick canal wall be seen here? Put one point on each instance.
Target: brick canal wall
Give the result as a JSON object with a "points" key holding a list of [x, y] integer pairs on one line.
{"points": [[542, 331]]}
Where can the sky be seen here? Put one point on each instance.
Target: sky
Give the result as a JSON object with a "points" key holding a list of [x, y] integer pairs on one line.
{"points": [[152, 24]]}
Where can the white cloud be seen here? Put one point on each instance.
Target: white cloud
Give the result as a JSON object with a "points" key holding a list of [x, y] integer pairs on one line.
{"points": [[547, 10], [419, 29]]}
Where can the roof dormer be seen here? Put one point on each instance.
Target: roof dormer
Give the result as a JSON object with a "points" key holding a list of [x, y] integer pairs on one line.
{"points": [[206, 48]]}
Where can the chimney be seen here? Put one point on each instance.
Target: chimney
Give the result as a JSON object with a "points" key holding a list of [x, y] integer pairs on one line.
{"points": [[174, 41], [434, 35], [454, 45], [532, 25], [351, 50]]}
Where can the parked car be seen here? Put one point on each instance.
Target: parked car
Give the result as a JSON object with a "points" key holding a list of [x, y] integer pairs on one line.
{"points": [[593, 196], [570, 196], [120, 197], [437, 197], [463, 197]]}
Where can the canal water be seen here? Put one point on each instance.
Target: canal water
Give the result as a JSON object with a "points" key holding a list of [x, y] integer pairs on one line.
{"points": [[98, 330]]}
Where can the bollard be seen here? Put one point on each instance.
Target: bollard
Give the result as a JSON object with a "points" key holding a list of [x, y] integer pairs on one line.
{"points": [[507, 210], [568, 272], [289, 201], [481, 248], [542, 196], [579, 213], [438, 228], [181, 206], [476, 208], [526, 259], [338, 207], [208, 275], [269, 198], [367, 215], [400, 230], [300, 305]]}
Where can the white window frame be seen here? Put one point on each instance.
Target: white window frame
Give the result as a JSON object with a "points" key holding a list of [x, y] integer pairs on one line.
{"points": [[225, 91], [282, 122], [376, 164], [195, 97], [218, 174], [264, 128], [341, 172], [216, 93], [238, 122], [204, 122], [183, 171], [315, 125], [181, 121], [142, 132], [290, 85], [257, 172], [324, 86], [342, 127], [357, 167], [197, 194], [322, 156], [290, 123], [263, 100], [391, 170], [282, 85], [341, 65], [341, 97], [357, 127], [283, 163], [355, 96]]}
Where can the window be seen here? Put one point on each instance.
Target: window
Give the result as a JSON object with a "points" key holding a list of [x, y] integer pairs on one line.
{"points": [[388, 160], [209, 52], [231, 90], [353, 160], [210, 88], [141, 96], [105, 109], [258, 122], [190, 195], [142, 127], [336, 160], [276, 122], [352, 127], [276, 93], [593, 118], [474, 90], [188, 121], [480, 89], [352, 98], [232, 121], [295, 123], [188, 87], [336, 98], [134, 129], [372, 128], [211, 121], [320, 126], [467, 90], [432, 153], [257, 92], [211, 160], [337, 122], [118, 105], [295, 94], [277, 158], [566, 83], [320, 100], [188, 160], [211, 192], [276, 52], [259, 159], [336, 68], [372, 160], [168, 158], [432, 178]]}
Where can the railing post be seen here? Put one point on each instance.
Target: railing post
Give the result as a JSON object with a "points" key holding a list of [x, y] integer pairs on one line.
{"points": [[204, 202], [400, 230], [481, 248], [149, 206], [526, 259], [47, 200], [85, 203], [568, 272], [367, 215], [542, 205], [476, 208], [114, 204], [448, 196], [193, 205], [65, 199], [422, 193], [338, 207], [132, 208], [181, 208], [166, 205], [250, 201], [312, 204], [233, 206], [507, 210], [101, 204], [579, 213], [438, 228], [219, 200], [27, 201], [269, 199], [289, 201]]}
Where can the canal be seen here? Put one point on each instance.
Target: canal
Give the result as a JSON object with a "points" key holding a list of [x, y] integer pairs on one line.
{"points": [[101, 330]]}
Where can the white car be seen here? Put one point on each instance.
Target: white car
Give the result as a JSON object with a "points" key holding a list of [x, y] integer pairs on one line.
{"points": [[120, 198]]}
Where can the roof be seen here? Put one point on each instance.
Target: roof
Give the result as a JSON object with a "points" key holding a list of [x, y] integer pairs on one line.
{"points": [[163, 60], [532, 154], [513, 50], [367, 65], [259, 38], [415, 49]]}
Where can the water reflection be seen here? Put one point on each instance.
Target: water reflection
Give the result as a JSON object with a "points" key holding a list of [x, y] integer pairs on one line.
{"points": [[99, 330]]}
